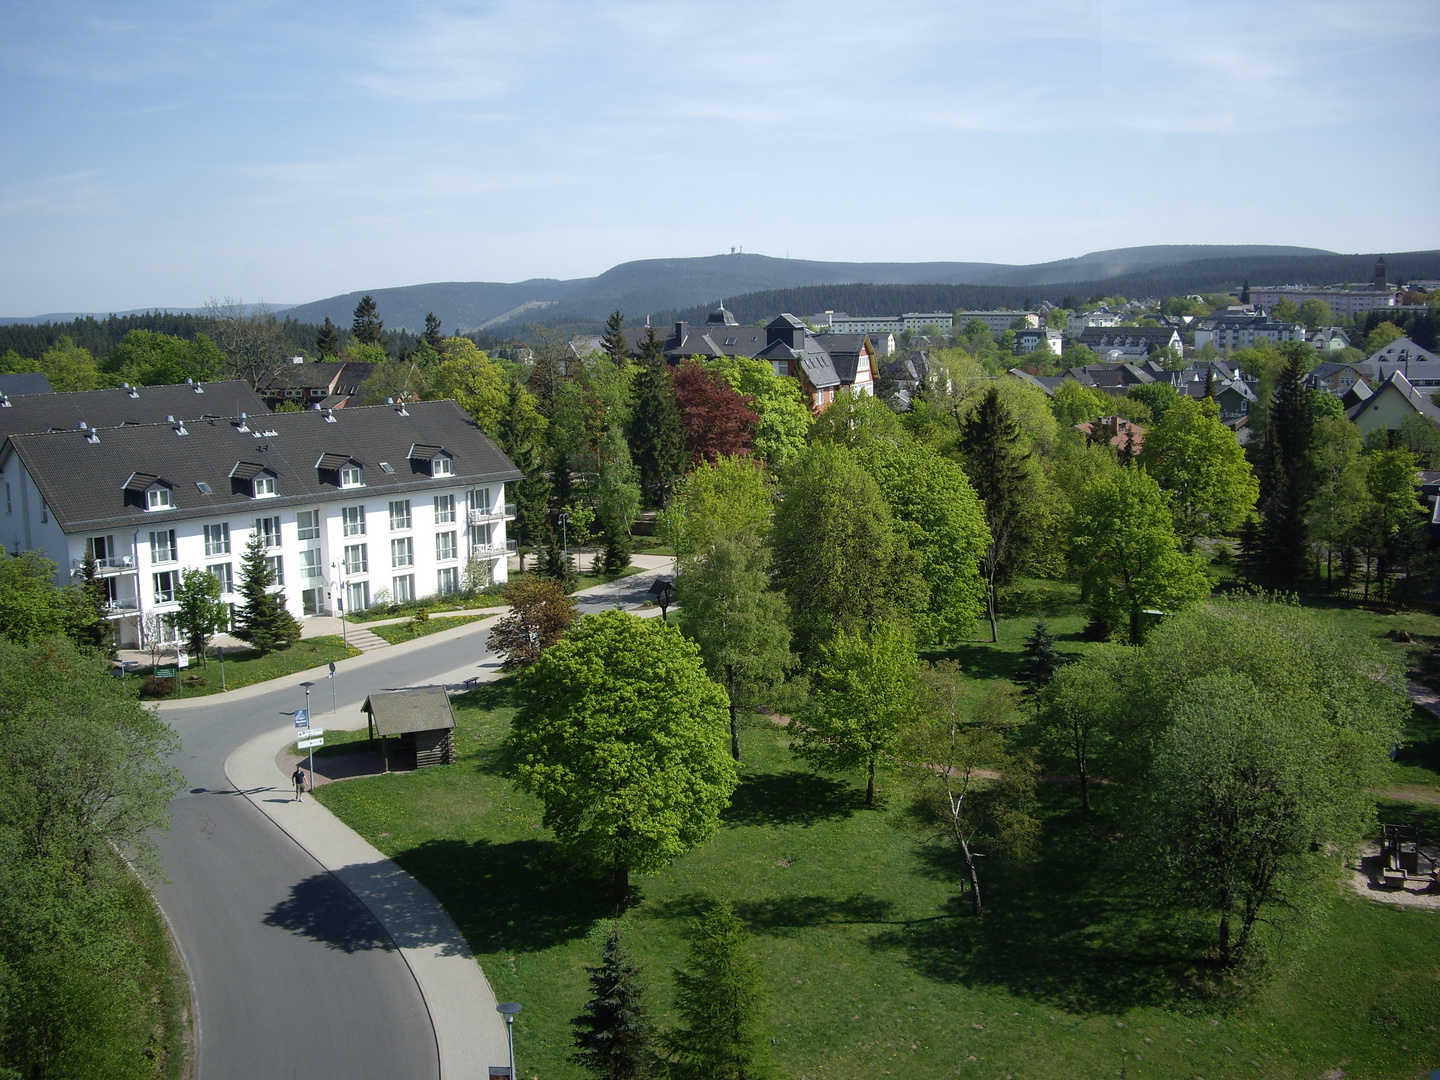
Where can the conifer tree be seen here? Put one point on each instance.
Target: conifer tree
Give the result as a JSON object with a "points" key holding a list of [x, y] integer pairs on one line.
{"points": [[431, 335], [327, 339], [522, 436], [1040, 661], [367, 325], [612, 342], [1287, 478], [88, 624], [722, 1002], [657, 437], [262, 620], [612, 1035]]}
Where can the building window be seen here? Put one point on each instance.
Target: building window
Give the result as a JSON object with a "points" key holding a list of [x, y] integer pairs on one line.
{"points": [[444, 509], [162, 546], [402, 552], [403, 588], [447, 580], [155, 499], [352, 520], [480, 500], [400, 515], [277, 569], [269, 528], [263, 487], [441, 466], [223, 574], [445, 546], [165, 583], [9, 506], [357, 595], [357, 559], [352, 476], [217, 539], [310, 565], [308, 522], [480, 536], [44, 512]]}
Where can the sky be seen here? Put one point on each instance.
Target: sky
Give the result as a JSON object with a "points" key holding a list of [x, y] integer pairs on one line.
{"points": [[166, 154]]}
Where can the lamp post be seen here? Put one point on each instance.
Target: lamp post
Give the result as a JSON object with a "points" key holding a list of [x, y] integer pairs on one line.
{"points": [[220, 655], [307, 686], [331, 677], [564, 534], [508, 1009]]}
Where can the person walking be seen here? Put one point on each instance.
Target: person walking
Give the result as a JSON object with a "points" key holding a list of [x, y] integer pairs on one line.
{"points": [[299, 778]]}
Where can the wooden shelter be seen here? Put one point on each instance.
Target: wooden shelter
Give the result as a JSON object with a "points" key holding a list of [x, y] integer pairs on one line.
{"points": [[420, 721]]}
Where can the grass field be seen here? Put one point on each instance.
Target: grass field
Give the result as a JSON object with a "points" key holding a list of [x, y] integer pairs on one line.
{"points": [[246, 666], [874, 966], [409, 630]]}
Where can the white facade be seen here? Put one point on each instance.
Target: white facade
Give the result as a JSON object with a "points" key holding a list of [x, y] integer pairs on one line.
{"points": [[1228, 334], [331, 557], [885, 324], [1027, 341], [997, 322], [1346, 303]]}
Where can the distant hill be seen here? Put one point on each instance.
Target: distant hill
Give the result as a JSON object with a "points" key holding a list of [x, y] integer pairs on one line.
{"points": [[652, 285]]}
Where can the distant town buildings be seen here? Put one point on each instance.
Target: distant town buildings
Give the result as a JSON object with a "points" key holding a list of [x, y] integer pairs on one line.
{"points": [[1343, 299], [1243, 329]]}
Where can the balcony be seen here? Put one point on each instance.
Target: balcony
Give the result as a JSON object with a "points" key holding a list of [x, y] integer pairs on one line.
{"points": [[120, 564], [505, 512], [118, 609], [493, 551]]}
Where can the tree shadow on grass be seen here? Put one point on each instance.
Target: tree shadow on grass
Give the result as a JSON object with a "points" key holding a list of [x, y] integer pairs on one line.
{"points": [[491, 695], [520, 896], [781, 916], [795, 797], [981, 660], [1070, 929]]}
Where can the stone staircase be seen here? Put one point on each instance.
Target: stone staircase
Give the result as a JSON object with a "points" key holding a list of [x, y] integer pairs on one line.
{"points": [[365, 640]]}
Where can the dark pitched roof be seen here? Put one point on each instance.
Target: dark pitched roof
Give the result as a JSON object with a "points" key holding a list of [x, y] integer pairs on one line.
{"points": [[1153, 337], [23, 383], [713, 340], [425, 708], [1399, 384], [83, 482], [136, 405], [341, 376]]}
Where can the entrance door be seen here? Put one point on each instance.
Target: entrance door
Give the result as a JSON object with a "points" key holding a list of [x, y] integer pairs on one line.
{"points": [[312, 602]]}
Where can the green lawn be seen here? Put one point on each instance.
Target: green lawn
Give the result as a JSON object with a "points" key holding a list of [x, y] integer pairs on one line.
{"points": [[475, 602], [246, 666], [586, 581], [874, 965], [408, 630]]}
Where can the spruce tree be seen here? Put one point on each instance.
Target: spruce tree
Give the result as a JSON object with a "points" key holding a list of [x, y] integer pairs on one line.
{"points": [[612, 1035], [1039, 662], [657, 438], [262, 620], [522, 436], [722, 1001], [1287, 476], [367, 325], [431, 335], [88, 624], [612, 342], [556, 564], [327, 339]]}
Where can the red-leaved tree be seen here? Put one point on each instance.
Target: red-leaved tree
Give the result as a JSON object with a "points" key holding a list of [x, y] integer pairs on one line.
{"points": [[718, 421]]}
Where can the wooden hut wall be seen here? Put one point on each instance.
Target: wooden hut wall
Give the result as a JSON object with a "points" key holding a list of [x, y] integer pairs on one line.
{"points": [[434, 747]]}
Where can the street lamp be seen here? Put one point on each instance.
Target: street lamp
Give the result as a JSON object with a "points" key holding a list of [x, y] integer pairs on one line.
{"points": [[307, 686], [220, 655], [564, 534], [508, 1009], [331, 677]]}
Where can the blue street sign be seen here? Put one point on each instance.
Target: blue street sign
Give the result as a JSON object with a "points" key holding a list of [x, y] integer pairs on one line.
{"points": [[302, 717]]}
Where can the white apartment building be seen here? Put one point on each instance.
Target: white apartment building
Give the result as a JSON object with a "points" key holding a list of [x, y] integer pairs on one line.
{"points": [[997, 322], [916, 321], [400, 500]]}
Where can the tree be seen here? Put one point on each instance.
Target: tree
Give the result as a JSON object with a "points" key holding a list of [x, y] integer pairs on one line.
{"points": [[970, 789], [1074, 404], [432, 336], [1039, 662], [1082, 711], [31, 607], [729, 499], [937, 513], [467, 374], [721, 1001], [838, 557], [1158, 396], [717, 421], [1315, 313], [657, 439], [1123, 539], [327, 340], [1335, 508], [1385, 333], [69, 367], [367, 325], [996, 460], [1240, 801], [863, 693], [1285, 310], [621, 735], [1200, 464], [250, 337], [782, 415], [617, 503], [262, 620], [613, 1032], [200, 612], [145, 358], [1391, 503], [1286, 479], [540, 614], [88, 624], [521, 435], [612, 342], [729, 611]]}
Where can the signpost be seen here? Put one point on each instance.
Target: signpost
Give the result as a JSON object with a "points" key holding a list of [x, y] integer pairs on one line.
{"points": [[331, 677], [220, 655], [302, 717], [310, 739]]}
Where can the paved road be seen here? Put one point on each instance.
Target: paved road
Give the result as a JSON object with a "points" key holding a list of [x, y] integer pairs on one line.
{"points": [[292, 975]]}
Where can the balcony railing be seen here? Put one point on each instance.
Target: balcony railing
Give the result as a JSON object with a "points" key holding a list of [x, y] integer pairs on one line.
{"points": [[120, 564], [116, 609], [493, 551], [505, 512]]}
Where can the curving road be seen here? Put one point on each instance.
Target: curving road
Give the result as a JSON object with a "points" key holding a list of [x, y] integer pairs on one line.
{"points": [[326, 995]]}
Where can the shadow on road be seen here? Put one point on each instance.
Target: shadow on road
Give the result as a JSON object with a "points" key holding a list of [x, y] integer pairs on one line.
{"points": [[323, 909]]}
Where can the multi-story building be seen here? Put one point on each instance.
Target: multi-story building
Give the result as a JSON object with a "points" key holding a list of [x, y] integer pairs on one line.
{"points": [[1242, 330], [1125, 343], [407, 500], [997, 322], [915, 321], [1027, 341], [1345, 301]]}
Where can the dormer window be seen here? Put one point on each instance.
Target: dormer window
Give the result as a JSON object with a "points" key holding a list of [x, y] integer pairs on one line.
{"points": [[442, 466], [352, 476], [158, 498], [263, 487]]}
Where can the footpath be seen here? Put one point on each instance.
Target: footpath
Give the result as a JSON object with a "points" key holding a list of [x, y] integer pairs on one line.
{"points": [[470, 1035]]}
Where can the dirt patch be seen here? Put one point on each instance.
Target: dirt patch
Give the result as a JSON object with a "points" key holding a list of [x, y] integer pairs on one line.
{"points": [[1365, 880]]}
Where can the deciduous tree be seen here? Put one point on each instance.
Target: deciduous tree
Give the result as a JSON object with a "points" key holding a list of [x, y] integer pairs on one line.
{"points": [[717, 420], [199, 612], [732, 498], [540, 614], [621, 735], [782, 416], [1200, 464]]}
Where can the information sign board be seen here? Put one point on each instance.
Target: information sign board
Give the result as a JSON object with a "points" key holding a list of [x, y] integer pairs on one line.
{"points": [[302, 717]]}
